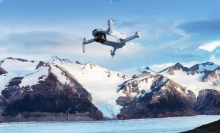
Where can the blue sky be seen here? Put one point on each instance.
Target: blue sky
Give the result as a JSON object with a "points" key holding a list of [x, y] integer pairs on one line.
{"points": [[172, 31]]}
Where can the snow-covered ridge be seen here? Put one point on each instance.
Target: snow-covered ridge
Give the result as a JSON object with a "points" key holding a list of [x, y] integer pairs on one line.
{"points": [[100, 82], [204, 66], [103, 84]]}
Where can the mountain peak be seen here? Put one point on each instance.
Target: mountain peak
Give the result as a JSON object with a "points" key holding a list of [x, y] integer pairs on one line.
{"points": [[207, 63], [177, 65], [77, 62], [90, 63], [204, 67], [55, 58], [67, 61], [212, 76], [217, 69]]}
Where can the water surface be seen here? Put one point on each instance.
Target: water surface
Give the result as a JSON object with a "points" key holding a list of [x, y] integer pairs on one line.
{"points": [[154, 125]]}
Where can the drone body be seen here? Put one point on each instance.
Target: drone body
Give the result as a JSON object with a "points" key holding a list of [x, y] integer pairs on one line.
{"points": [[110, 38]]}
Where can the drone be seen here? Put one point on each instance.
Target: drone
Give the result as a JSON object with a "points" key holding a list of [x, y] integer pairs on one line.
{"points": [[110, 38]]}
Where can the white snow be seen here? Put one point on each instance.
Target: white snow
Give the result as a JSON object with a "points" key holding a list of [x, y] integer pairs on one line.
{"points": [[15, 68], [4, 79], [19, 67], [102, 88], [207, 67], [178, 89], [163, 88], [164, 72], [191, 82], [137, 79], [146, 86], [136, 70], [61, 77], [32, 79], [131, 71]]}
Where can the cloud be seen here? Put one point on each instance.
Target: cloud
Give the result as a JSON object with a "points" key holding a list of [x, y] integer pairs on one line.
{"points": [[210, 46], [151, 29], [1, 1], [111, 1], [59, 43], [214, 59], [202, 26], [130, 49], [160, 67]]}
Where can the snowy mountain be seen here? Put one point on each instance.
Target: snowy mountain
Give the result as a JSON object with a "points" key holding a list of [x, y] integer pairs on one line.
{"points": [[192, 77], [185, 91], [41, 91], [76, 91], [203, 66], [101, 83]]}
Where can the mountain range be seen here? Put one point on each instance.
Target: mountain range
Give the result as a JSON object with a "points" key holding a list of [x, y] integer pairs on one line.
{"points": [[60, 89]]}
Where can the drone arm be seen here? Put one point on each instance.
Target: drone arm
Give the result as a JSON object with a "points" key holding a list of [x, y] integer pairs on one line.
{"points": [[110, 24], [137, 35], [85, 41]]}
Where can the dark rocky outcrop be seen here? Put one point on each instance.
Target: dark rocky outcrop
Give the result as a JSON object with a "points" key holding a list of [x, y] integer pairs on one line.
{"points": [[167, 99], [215, 74], [171, 70], [196, 67], [2, 71], [48, 100], [208, 102], [213, 127], [77, 62], [19, 59], [41, 64]]}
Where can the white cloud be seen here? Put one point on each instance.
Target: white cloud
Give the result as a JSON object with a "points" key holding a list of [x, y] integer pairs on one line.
{"points": [[110, 1], [58, 42], [1, 1], [131, 48], [210, 46], [214, 59], [160, 67]]}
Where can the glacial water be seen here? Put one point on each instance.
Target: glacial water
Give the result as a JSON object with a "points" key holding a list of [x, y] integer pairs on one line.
{"points": [[155, 125]]}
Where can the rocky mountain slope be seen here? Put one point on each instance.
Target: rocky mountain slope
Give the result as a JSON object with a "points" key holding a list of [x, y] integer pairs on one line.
{"points": [[60, 89], [175, 91], [27, 77], [43, 91]]}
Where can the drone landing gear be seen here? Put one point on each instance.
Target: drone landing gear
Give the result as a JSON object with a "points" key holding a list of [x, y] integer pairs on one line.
{"points": [[113, 52]]}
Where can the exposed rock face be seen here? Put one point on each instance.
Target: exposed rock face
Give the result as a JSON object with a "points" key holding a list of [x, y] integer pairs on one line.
{"points": [[171, 70], [2, 61], [12, 90], [57, 95], [2, 71], [208, 102], [48, 100], [153, 95], [41, 64], [197, 66], [167, 99], [19, 59], [212, 76]]}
